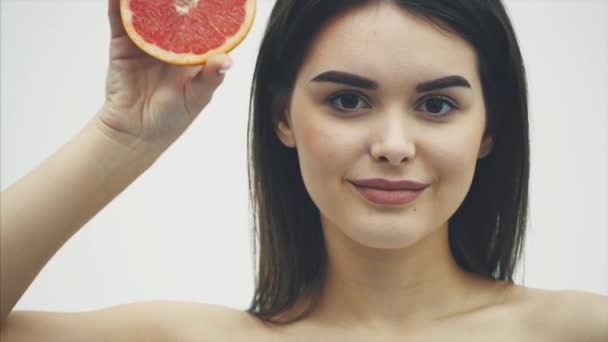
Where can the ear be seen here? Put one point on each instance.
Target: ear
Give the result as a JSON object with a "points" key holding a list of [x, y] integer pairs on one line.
{"points": [[284, 130], [486, 146]]}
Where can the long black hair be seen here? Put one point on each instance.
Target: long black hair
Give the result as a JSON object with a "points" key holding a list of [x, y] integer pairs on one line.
{"points": [[486, 233]]}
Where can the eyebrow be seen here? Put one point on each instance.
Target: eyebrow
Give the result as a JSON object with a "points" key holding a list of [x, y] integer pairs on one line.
{"points": [[365, 83]]}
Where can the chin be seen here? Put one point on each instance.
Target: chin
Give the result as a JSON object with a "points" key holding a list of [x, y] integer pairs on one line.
{"points": [[386, 236]]}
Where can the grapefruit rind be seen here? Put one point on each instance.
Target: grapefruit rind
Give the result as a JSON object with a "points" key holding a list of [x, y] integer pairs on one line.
{"points": [[186, 58]]}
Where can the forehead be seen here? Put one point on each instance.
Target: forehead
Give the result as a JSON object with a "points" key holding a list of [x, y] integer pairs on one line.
{"points": [[383, 40]]}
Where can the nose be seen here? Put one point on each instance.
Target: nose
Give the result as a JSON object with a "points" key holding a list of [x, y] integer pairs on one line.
{"points": [[393, 141]]}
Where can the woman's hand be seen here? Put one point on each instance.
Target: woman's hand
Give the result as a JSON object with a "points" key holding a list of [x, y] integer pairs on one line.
{"points": [[149, 100]]}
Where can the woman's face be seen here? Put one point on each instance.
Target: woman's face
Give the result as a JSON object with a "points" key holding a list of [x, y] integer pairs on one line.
{"points": [[393, 125]]}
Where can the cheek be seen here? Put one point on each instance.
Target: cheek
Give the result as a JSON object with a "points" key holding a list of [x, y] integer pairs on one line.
{"points": [[325, 146], [454, 150], [327, 152], [453, 157]]}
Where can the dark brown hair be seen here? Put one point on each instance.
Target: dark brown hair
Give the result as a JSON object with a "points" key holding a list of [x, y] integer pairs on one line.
{"points": [[486, 234]]}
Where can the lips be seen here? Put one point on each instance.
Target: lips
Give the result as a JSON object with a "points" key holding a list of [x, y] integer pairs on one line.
{"points": [[386, 184], [387, 192]]}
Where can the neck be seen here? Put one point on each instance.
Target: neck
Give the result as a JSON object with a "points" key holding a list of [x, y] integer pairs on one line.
{"points": [[382, 288]]}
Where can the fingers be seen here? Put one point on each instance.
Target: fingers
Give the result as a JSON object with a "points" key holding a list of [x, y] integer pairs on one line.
{"points": [[116, 27], [203, 85], [213, 72], [217, 65]]}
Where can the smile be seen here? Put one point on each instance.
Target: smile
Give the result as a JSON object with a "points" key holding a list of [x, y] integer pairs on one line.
{"points": [[388, 197]]}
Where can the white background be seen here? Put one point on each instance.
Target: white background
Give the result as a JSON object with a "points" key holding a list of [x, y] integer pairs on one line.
{"points": [[181, 230]]}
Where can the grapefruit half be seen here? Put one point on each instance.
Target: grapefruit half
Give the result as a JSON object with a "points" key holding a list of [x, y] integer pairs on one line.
{"points": [[187, 32]]}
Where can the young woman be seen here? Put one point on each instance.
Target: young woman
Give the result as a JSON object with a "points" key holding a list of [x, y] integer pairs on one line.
{"points": [[389, 172]]}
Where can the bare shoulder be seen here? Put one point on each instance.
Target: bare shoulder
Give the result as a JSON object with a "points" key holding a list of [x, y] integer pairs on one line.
{"points": [[192, 321], [208, 322], [569, 315], [141, 321], [546, 315]]}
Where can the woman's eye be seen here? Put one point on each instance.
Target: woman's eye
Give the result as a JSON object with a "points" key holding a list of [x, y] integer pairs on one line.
{"points": [[348, 102], [437, 106]]}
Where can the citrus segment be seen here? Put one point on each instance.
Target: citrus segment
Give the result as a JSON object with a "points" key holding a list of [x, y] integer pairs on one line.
{"points": [[187, 31]]}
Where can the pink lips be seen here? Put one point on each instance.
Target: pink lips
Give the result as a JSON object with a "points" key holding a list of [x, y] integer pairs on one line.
{"points": [[383, 191]]}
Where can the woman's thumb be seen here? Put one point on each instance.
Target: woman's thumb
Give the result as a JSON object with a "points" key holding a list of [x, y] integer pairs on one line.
{"points": [[204, 84], [212, 73]]}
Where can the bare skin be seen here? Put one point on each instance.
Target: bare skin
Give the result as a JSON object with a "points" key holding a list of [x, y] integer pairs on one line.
{"points": [[503, 313], [527, 314]]}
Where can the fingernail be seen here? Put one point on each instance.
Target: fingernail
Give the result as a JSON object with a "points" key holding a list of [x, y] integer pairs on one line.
{"points": [[222, 70]]}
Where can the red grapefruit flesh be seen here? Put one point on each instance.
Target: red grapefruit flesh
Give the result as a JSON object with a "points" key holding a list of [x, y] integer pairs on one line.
{"points": [[187, 32]]}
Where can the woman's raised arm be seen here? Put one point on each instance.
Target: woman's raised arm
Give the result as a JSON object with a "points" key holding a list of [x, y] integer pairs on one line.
{"points": [[148, 105]]}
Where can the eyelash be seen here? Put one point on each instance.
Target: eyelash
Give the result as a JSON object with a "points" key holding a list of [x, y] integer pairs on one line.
{"points": [[451, 103]]}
